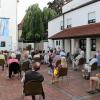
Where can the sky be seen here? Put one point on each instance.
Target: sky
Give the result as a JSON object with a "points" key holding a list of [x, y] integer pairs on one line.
{"points": [[24, 4]]}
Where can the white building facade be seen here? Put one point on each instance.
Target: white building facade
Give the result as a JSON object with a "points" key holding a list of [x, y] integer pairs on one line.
{"points": [[75, 14], [8, 25]]}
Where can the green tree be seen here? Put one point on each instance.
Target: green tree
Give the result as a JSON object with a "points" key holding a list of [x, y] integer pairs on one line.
{"points": [[48, 14], [33, 24], [57, 5]]}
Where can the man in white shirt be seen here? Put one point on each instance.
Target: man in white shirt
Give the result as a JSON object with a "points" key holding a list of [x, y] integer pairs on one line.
{"points": [[93, 60], [76, 61], [87, 67]]}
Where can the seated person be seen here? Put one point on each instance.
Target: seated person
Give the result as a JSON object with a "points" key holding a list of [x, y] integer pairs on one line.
{"points": [[37, 57], [26, 58], [93, 60], [75, 61], [86, 71], [2, 56], [62, 53], [87, 67], [56, 71], [63, 62], [46, 58], [33, 75], [94, 81], [98, 58], [10, 61]]}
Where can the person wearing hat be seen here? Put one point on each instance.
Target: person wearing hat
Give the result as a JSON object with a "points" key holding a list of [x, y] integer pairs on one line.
{"points": [[33, 75]]}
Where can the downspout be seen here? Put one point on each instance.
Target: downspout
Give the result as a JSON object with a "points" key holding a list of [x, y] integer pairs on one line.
{"points": [[63, 29]]}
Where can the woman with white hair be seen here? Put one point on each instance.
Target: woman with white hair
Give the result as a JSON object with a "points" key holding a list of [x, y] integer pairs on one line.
{"points": [[13, 65], [12, 59]]}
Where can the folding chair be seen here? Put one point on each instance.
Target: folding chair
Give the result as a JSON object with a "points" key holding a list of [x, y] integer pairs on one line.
{"points": [[33, 88], [14, 68], [25, 66], [94, 66], [82, 61], [2, 62]]}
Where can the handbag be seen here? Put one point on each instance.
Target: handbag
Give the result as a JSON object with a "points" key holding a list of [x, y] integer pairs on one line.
{"points": [[56, 72]]}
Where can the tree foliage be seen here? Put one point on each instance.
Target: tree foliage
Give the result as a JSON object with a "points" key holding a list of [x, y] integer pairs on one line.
{"points": [[35, 23], [57, 5], [48, 14]]}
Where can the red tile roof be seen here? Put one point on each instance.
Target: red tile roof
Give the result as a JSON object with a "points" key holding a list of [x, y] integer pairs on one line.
{"points": [[79, 31]]}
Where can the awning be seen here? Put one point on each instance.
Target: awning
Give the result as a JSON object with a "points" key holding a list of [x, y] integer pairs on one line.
{"points": [[89, 30]]}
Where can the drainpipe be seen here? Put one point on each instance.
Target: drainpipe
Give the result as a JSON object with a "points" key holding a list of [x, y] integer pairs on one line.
{"points": [[63, 22], [63, 40]]}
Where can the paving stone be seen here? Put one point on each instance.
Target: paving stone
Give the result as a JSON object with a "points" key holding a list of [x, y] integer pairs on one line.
{"points": [[72, 87]]}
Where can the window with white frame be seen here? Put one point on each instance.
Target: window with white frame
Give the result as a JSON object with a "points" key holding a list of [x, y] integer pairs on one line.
{"points": [[69, 23], [82, 44], [61, 25], [93, 44], [57, 42], [91, 17]]}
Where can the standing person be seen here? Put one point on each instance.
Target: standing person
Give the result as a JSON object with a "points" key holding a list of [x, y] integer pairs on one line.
{"points": [[33, 75], [51, 57]]}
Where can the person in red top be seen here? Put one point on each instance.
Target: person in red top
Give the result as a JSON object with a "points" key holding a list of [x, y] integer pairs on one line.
{"points": [[13, 68], [12, 59]]}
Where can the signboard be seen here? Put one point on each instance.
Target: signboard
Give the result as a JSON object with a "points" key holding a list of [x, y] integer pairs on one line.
{"points": [[4, 26]]}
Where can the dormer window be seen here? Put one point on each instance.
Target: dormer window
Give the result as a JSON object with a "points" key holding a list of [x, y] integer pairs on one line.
{"points": [[91, 17], [69, 23], [61, 25]]}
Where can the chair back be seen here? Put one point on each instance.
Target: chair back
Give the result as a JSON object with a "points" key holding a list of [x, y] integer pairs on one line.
{"points": [[18, 56], [33, 88], [94, 66], [58, 62], [63, 71], [37, 59], [14, 67], [2, 62], [25, 66], [82, 61]]}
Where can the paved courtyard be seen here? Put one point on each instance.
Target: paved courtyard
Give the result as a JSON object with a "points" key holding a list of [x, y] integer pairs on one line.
{"points": [[72, 87]]}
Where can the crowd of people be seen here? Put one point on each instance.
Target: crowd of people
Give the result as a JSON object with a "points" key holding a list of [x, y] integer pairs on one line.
{"points": [[55, 59]]}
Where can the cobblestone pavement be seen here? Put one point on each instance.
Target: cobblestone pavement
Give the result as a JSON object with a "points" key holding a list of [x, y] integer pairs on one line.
{"points": [[72, 87]]}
